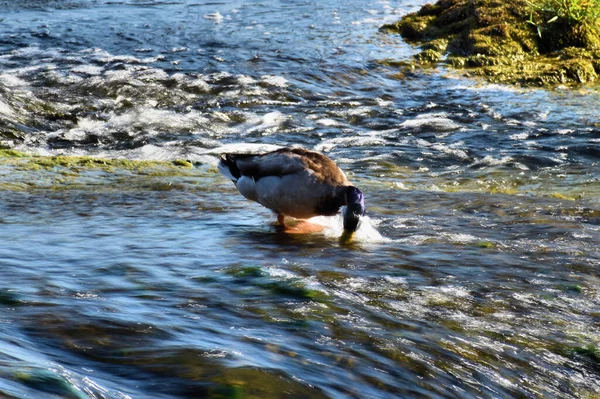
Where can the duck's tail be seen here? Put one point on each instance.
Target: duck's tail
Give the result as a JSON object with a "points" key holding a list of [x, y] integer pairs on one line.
{"points": [[228, 167]]}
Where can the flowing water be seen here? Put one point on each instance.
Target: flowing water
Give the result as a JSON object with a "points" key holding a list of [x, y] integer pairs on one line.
{"points": [[474, 274]]}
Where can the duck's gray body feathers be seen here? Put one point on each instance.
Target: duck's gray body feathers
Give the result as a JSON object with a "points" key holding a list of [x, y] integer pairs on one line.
{"points": [[293, 182]]}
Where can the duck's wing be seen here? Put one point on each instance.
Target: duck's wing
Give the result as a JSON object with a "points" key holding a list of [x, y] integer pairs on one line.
{"points": [[282, 162], [277, 163], [324, 169]]}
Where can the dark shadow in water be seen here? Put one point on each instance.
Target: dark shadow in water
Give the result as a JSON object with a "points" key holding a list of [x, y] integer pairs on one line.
{"points": [[274, 237], [132, 349]]}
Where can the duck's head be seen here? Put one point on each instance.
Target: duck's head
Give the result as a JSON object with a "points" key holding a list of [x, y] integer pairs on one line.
{"points": [[355, 208]]}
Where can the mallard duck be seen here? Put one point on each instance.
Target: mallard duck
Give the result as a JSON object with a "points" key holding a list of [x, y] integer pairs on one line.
{"points": [[295, 182]]}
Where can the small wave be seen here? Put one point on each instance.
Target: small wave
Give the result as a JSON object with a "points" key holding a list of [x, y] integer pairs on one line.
{"points": [[6, 109], [327, 122], [436, 122], [266, 124], [451, 150], [11, 80], [90, 70], [416, 239], [144, 118], [245, 80], [460, 238], [519, 136], [216, 16], [360, 141], [243, 148], [489, 160], [274, 80]]}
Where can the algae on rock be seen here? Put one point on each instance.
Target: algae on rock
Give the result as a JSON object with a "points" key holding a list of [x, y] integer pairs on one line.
{"points": [[20, 171], [502, 42]]}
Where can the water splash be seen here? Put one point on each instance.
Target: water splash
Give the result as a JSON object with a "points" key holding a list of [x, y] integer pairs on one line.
{"points": [[367, 232]]}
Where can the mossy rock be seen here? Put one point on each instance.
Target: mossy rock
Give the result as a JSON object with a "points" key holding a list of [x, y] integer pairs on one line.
{"points": [[440, 45], [561, 34], [428, 56], [580, 70], [29, 172], [497, 41], [412, 28]]}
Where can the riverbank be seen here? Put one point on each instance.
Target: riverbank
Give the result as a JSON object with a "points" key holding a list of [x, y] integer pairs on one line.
{"points": [[503, 42]]}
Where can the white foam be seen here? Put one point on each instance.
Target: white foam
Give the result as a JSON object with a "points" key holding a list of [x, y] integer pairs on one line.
{"points": [[438, 122], [216, 16], [126, 59], [143, 118], [334, 227], [339, 103], [460, 238], [492, 161], [150, 151], [10, 80], [417, 239], [245, 80], [199, 83], [519, 136], [328, 122], [565, 131], [273, 80], [396, 280], [117, 76], [451, 150], [88, 70], [5, 109], [383, 103], [243, 148], [355, 141], [266, 124], [151, 74]]}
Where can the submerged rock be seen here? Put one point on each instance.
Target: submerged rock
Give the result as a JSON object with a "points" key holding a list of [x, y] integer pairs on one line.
{"points": [[25, 172], [502, 42]]}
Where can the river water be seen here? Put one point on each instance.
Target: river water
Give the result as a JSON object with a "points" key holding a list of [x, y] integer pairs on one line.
{"points": [[474, 274]]}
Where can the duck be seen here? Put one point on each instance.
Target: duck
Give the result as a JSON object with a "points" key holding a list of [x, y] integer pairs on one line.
{"points": [[295, 182]]}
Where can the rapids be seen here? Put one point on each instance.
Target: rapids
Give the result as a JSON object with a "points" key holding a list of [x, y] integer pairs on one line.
{"points": [[474, 274]]}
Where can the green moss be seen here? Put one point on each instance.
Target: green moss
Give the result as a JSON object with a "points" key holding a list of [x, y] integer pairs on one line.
{"points": [[8, 153], [562, 197], [412, 27], [590, 353], [439, 45], [501, 42], [183, 163], [429, 56], [580, 70], [89, 163], [47, 381], [294, 289], [246, 272], [564, 23], [9, 298], [574, 288], [25, 172]]}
